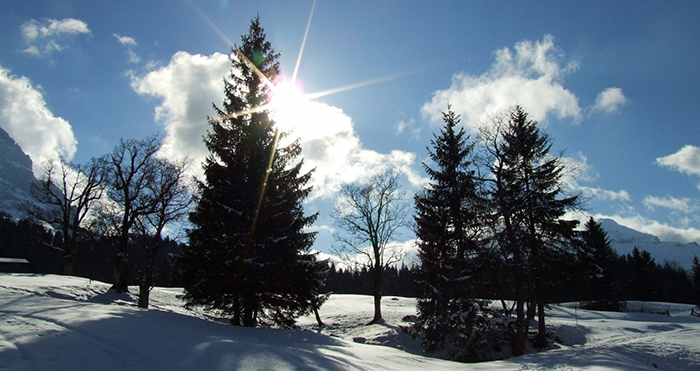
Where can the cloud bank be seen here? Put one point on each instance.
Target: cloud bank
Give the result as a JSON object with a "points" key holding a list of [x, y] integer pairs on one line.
{"points": [[25, 116]]}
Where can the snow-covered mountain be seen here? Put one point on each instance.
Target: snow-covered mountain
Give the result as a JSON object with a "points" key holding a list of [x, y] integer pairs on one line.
{"points": [[624, 240], [15, 176]]}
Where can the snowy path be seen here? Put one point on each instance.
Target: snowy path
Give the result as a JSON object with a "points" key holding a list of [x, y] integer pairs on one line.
{"points": [[63, 323]]}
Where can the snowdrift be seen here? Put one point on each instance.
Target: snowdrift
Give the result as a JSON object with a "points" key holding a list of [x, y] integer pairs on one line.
{"points": [[67, 323]]}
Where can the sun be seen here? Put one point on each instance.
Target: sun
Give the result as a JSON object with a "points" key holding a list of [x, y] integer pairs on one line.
{"points": [[288, 105]]}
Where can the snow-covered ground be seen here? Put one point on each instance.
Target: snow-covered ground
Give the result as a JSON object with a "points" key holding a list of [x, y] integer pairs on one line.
{"points": [[66, 323]]}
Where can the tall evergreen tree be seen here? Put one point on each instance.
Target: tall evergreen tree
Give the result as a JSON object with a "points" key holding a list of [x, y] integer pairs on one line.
{"points": [[447, 231], [643, 278], [598, 277], [529, 203], [696, 279], [248, 254]]}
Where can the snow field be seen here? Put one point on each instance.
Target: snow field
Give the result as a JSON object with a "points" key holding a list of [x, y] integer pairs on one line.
{"points": [[65, 323]]}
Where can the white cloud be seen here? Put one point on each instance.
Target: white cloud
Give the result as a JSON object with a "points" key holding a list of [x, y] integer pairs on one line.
{"points": [[125, 40], [686, 160], [401, 126], [42, 37], [189, 84], [578, 170], [685, 205], [25, 116], [609, 100], [605, 194], [530, 76], [130, 43]]}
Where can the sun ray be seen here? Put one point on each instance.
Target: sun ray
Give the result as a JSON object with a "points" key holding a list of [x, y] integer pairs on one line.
{"points": [[362, 84], [303, 43], [238, 52], [269, 83]]}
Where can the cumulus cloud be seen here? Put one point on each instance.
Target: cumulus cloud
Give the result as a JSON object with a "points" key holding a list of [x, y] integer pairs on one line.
{"points": [[186, 87], [25, 116], [686, 160], [331, 145], [129, 43], [42, 38], [609, 100], [529, 75], [189, 84]]}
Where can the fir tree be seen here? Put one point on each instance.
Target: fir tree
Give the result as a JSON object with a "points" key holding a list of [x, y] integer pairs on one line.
{"points": [[249, 253], [446, 227]]}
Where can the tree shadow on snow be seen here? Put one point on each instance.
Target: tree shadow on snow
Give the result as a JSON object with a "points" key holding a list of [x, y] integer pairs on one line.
{"points": [[90, 336]]}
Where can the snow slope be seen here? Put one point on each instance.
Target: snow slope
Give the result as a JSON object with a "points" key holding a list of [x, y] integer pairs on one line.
{"points": [[66, 323]]}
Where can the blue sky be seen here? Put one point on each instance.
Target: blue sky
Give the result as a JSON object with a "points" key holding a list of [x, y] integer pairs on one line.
{"points": [[616, 84]]}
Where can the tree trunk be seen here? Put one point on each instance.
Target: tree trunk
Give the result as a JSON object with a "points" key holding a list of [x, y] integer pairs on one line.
{"points": [[541, 333], [521, 331], [236, 320], [249, 310], [68, 259], [146, 280], [377, 292], [318, 317], [144, 293], [121, 273]]}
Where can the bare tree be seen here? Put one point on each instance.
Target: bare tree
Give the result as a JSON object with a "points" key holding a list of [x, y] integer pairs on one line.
{"points": [[68, 192], [131, 173], [372, 215], [171, 197]]}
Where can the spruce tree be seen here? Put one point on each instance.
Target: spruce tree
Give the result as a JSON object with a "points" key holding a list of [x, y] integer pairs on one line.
{"points": [[598, 277], [643, 276], [446, 228], [696, 279], [248, 255], [529, 202]]}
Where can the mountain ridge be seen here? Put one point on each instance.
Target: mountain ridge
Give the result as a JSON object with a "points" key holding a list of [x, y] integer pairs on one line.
{"points": [[624, 239], [16, 176]]}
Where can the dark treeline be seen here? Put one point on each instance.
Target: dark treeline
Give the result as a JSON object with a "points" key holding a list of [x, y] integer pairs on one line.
{"points": [[634, 276], [94, 258], [397, 281]]}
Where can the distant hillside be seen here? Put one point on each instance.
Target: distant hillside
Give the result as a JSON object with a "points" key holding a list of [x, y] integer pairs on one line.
{"points": [[624, 240], [15, 176]]}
